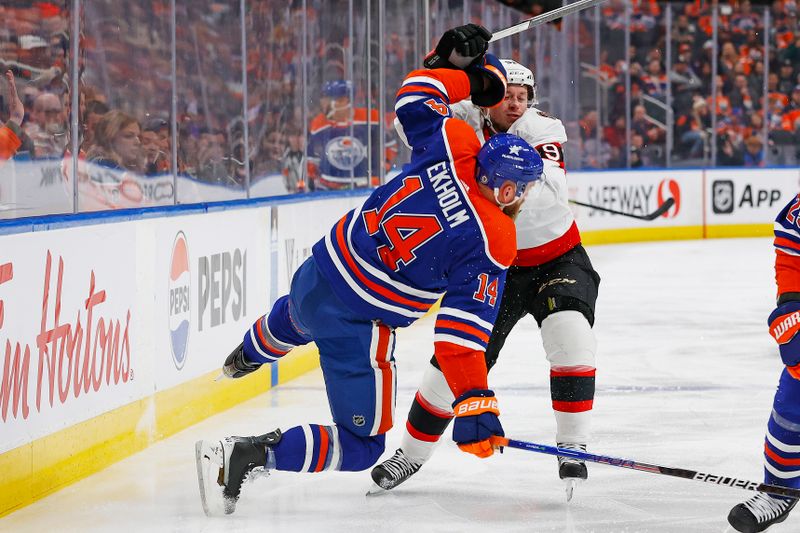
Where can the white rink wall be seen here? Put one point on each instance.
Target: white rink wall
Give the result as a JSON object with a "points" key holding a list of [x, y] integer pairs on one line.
{"points": [[113, 326]]}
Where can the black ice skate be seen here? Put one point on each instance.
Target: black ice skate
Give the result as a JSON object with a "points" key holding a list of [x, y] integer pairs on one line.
{"points": [[392, 472], [571, 470], [222, 467], [760, 512]]}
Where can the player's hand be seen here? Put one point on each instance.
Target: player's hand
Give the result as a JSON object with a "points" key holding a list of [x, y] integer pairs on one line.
{"points": [[784, 323], [460, 47], [495, 81], [236, 364], [476, 421], [15, 108]]}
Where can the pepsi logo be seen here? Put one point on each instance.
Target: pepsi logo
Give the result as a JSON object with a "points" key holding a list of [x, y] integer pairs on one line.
{"points": [[669, 188], [179, 308]]}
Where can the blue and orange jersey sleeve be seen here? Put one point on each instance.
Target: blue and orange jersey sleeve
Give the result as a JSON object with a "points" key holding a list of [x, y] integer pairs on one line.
{"points": [[423, 101], [787, 247]]}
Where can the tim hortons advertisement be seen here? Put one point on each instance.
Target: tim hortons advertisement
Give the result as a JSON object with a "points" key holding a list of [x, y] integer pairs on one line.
{"points": [[68, 322], [212, 283], [748, 196], [637, 193]]}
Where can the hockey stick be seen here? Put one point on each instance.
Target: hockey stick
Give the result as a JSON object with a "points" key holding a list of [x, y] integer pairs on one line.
{"points": [[544, 18], [663, 208], [647, 467]]}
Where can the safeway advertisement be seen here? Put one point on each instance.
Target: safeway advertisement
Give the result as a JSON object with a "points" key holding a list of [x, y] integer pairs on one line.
{"points": [[67, 324]]}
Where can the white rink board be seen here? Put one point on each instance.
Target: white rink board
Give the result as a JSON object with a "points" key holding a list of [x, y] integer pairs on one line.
{"points": [[65, 281], [748, 196], [637, 193]]}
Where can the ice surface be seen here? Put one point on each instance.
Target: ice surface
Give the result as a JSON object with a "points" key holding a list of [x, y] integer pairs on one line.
{"points": [[686, 374]]}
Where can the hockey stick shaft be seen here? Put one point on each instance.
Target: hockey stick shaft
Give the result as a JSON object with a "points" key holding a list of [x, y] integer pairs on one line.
{"points": [[648, 467], [663, 208], [544, 18]]}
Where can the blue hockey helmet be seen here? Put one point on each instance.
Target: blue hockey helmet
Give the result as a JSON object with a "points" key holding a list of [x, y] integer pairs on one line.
{"points": [[337, 88], [507, 157]]}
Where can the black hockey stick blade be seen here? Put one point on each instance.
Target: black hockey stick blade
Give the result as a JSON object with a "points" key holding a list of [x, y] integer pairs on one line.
{"points": [[663, 208], [647, 467]]}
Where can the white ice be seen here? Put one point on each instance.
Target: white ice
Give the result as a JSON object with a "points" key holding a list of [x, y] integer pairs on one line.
{"points": [[686, 374]]}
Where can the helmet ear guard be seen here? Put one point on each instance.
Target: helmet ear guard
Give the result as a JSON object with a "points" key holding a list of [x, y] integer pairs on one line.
{"points": [[506, 157]]}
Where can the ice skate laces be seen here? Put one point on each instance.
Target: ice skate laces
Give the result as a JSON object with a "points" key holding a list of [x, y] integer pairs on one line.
{"points": [[399, 466], [570, 446], [765, 507]]}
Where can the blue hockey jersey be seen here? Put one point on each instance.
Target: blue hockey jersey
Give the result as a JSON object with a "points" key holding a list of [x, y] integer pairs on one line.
{"points": [[337, 150], [428, 233]]}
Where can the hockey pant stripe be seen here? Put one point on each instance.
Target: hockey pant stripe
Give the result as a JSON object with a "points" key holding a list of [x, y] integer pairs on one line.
{"points": [[572, 388], [381, 350]]}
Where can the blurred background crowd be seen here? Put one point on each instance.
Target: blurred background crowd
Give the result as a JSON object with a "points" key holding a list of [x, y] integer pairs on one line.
{"points": [[231, 93]]}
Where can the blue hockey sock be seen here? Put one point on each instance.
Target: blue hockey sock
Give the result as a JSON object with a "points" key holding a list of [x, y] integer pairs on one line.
{"points": [[314, 448], [782, 445], [273, 336]]}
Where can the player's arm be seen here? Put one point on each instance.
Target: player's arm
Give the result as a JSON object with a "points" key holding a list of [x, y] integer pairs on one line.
{"points": [[463, 326], [424, 99], [784, 321]]}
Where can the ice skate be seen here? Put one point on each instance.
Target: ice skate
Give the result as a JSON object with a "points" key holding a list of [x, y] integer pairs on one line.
{"points": [[392, 472], [760, 512], [223, 465], [572, 471]]}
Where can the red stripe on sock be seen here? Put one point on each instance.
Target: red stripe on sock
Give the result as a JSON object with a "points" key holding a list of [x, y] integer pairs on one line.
{"points": [[323, 449], [573, 407], [420, 435], [432, 409], [778, 459], [572, 371]]}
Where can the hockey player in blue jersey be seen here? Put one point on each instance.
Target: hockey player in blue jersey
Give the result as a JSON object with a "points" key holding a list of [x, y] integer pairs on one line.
{"points": [[782, 443], [437, 230], [338, 141]]}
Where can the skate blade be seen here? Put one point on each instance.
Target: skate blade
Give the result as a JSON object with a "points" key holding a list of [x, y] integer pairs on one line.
{"points": [[209, 463], [376, 490], [570, 485]]}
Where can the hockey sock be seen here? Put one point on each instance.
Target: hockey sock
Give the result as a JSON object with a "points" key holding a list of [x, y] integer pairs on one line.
{"points": [[782, 444], [425, 426], [572, 394], [273, 336], [314, 448]]}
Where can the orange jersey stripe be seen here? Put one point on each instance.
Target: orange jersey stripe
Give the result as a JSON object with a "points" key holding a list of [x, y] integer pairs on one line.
{"points": [[263, 339], [374, 286], [460, 326], [420, 89]]}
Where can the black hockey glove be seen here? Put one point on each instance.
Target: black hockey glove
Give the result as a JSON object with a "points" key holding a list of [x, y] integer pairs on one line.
{"points": [[459, 48], [236, 365]]}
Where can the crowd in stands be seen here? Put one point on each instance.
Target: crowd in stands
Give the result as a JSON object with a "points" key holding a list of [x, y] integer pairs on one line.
{"points": [[126, 84]]}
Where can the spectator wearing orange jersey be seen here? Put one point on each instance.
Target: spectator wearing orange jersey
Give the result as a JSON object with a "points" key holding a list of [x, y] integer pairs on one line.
{"points": [[11, 133]]}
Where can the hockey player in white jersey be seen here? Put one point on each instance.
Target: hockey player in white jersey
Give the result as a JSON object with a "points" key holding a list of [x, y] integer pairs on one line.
{"points": [[552, 279]]}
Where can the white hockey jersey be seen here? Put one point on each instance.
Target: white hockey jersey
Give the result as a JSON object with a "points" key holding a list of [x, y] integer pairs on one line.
{"points": [[546, 227]]}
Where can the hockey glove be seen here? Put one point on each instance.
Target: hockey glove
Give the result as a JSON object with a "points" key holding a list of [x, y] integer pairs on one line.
{"points": [[493, 74], [236, 364], [784, 323], [476, 421], [459, 48]]}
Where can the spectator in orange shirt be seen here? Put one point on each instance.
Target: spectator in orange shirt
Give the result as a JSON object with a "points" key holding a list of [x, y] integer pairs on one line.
{"points": [[11, 133]]}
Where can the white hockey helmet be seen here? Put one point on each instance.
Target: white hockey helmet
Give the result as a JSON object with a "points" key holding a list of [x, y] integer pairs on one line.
{"points": [[517, 74]]}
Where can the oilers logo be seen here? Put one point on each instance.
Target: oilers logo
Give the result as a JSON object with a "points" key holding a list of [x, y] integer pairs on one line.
{"points": [[179, 308], [345, 153]]}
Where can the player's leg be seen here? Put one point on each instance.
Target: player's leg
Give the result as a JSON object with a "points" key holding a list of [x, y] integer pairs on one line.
{"points": [[781, 461], [564, 309], [431, 410], [275, 334], [357, 360]]}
